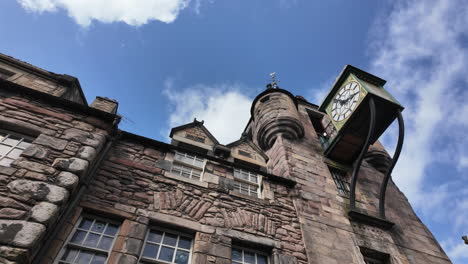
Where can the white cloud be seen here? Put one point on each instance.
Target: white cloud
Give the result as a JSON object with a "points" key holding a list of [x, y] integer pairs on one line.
{"points": [[421, 48], [418, 48], [224, 108], [132, 12]]}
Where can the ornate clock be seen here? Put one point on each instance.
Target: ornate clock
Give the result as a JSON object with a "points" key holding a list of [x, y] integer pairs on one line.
{"points": [[347, 108], [345, 101]]}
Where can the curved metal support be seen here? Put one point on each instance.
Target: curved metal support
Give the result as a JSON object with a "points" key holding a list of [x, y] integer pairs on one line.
{"points": [[357, 166], [396, 155]]}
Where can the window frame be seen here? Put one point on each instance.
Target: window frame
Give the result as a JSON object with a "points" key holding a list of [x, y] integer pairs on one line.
{"points": [[342, 185], [142, 259], [67, 244], [240, 181], [255, 251], [192, 167], [6, 134]]}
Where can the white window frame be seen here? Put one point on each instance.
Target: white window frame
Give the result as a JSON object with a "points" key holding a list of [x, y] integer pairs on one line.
{"points": [[250, 250], [19, 138], [179, 234], [247, 183], [192, 166], [69, 244]]}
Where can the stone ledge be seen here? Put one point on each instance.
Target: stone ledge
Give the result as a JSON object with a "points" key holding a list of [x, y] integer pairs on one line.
{"points": [[357, 216], [200, 183]]}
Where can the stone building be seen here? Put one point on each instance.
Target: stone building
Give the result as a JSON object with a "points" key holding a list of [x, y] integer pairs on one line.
{"points": [[74, 188]]}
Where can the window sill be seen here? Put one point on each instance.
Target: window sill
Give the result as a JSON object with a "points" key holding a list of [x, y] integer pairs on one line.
{"points": [[245, 196], [186, 180]]}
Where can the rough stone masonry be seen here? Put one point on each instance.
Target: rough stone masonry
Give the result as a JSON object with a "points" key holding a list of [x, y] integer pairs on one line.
{"points": [[269, 195]]}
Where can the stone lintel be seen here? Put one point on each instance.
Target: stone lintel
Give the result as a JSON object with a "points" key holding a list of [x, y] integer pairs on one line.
{"points": [[244, 237], [176, 221]]}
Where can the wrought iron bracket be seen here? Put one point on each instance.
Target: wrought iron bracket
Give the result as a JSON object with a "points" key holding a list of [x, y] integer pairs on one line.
{"points": [[388, 174], [357, 165]]}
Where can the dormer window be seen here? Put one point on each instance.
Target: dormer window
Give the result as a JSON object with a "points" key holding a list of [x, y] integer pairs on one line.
{"points": [[246, 182], [5, 74], [188, 166], [195, 138], [245, 154]]}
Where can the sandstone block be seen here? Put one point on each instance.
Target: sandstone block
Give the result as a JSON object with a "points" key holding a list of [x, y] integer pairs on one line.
{"points": [[52, 142], [11, 213], [9, 202], [84, 137], [75, 165], [34, 166], [38, 190], [43, 212], [17, 254], [87, 153], [20, 233], [67, 179]]}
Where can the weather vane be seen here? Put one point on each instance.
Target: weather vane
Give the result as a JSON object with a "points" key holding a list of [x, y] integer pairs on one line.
{"points": [[274, 82]]}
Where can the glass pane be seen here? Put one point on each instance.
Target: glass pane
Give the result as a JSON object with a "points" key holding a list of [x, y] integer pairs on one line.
{"points": [[24, 145], [253, 178], [249, 257], [98, 226], [182, 257], [15, 153], [99, 259], [6, 162], [10, 142], [150, 250], [69, 255], [185, 242], [261, 259], [91, 240], [84, 257], [166, 254], [86, 224], [111, 230], [236, 255], [4, 149], [170, 239], [78, 237], [105, 243], [155, 236]]}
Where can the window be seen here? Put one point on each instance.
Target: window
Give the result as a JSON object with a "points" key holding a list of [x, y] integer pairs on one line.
{"points": [[246, 182], [340, 181], [187, 165], [11, 146], [374, 257], [91, 242], [195, 138], [245, 153], [244, 256], [5, 74], [166, 246], [369, 260]]}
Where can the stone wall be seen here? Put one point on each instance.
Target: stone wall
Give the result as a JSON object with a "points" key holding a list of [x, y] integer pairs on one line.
{"points": [[35, 189], [131, 187], [329, 235]]}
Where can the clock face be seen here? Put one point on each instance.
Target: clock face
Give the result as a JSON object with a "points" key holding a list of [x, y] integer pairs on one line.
{"points": [[345, 101]]}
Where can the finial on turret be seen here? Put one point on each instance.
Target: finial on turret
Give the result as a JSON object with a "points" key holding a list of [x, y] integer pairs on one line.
{"points": [[274, 82]]}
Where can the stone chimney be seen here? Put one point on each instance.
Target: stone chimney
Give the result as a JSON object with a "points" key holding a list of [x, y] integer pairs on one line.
{"points": [[105, 104]]}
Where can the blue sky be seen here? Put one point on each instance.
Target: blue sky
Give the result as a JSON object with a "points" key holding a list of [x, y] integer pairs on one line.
{"points": [[169, 61]]}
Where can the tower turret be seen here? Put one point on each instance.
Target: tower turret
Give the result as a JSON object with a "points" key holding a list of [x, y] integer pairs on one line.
{"points": [[274, 112]]}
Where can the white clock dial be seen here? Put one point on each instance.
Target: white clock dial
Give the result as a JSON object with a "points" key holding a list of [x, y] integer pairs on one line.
{"points": [[345, 101]]}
